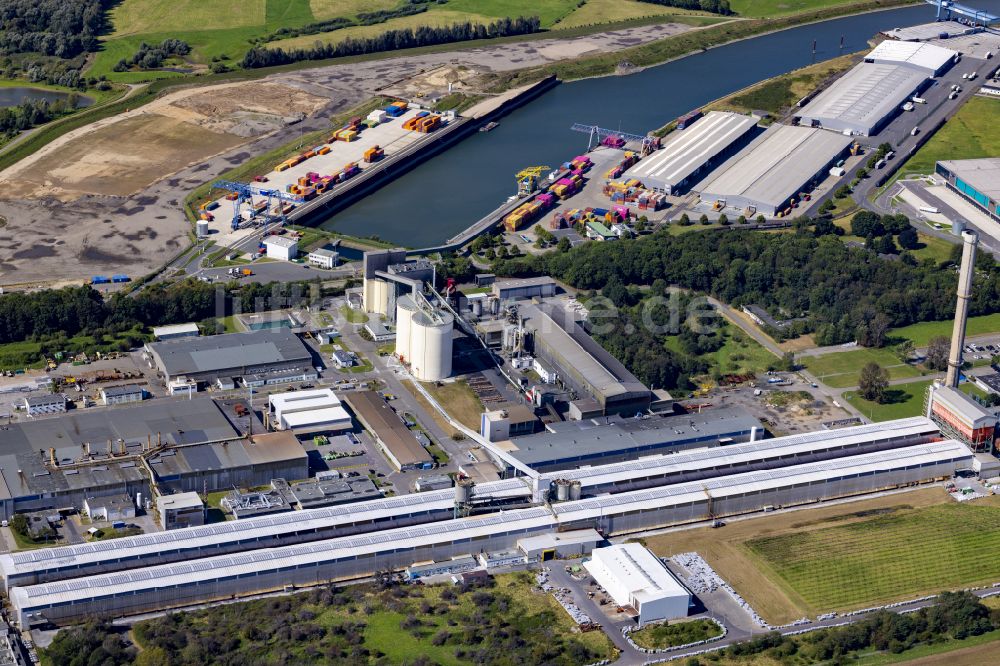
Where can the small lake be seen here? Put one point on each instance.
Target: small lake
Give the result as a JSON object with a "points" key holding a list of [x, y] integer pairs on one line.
{"points": [[19, 94]]}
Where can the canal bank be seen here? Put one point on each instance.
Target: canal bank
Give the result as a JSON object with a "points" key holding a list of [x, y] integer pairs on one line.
{"points": [[444, 196]]}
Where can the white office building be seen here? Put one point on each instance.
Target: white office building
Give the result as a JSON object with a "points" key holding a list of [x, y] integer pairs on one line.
{"points": [[639, 582]]}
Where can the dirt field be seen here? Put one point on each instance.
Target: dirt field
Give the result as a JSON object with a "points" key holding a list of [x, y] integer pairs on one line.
{"points": [[724, 550], [971, 656]]}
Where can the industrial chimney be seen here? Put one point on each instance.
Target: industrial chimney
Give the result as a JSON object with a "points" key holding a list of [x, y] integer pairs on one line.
{"points": [[965, 274]]}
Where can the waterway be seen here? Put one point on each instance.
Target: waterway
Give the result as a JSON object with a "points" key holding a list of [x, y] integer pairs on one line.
{"points": [[445, 195], [16, 95]]}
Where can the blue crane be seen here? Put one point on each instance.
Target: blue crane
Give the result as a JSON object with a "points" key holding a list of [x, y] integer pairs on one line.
{"points": [[244, 195], [949, 7], [601, 133]]}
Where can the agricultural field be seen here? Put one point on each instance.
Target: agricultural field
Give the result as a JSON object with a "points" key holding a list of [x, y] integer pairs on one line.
{"points": [[725, 549], [970, 133], [597, 12], [921, 333], [903, 400], [900, 555], [841, 369]]}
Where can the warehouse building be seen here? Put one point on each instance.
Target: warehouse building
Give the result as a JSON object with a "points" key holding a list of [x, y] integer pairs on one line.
{"points": [[639, 582], [42, 405], [571, 444], [61, 563], [523, 288], [928, 59], [122, 395], [272, 353], [223, 577], [189, 330], [309, 412], [865, 99], [281, 248], [688, 154], [978, 181], [766, 176], [604, 386], [397, 442]]}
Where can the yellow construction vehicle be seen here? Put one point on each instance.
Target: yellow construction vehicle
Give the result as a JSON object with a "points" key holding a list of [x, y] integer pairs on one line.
{"points": [[527, 179]]}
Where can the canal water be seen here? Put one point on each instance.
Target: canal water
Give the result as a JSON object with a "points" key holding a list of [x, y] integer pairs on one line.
{"points": [[449, 192], [19, 94]]}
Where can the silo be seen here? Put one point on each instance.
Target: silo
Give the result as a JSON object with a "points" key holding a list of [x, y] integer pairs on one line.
{"points": [[405, 309], [431, 345], [562, 489], [477, 307], [202, 228], [575, 490]]}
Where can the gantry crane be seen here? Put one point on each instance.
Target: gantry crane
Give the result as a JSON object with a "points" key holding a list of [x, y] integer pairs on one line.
{"points": [[244, 195], [527, 179], [612, 137]]}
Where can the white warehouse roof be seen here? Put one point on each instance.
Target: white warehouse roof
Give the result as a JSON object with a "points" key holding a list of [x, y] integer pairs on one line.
{"points": [[773, 168], [309, 409], [686, 151], [963, 406], [175, 329], [280, 241], [865, 96], [634, 571], [927, 58]]}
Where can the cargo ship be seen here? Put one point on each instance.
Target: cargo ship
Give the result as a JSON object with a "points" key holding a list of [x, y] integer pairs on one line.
{"points": [[489, 127]]}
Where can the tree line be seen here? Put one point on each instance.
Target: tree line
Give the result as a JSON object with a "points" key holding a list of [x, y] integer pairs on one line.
{"points": [[28, 114], [151, 56], [392, 40], [714, 6], [60, 28], [842, 293], [364, 18]]}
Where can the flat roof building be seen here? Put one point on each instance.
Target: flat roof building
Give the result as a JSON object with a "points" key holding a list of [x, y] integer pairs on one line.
{"points": [[206, 359], [558, 339], [180, 510], [518, 288], [120, 395], [929, 59], [393, 437], [571, 444], [639, 582], [978, 181], [929, 31], [864, 99], [309, 411], [773, 169], [331, 492], [324, 258], [189, 330], [689, 153], [40, 405], [281, 247]]}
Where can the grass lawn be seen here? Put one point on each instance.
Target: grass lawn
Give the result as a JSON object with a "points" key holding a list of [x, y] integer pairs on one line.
{"points": [[887, 558], [841, 369], [970, 133], [596, 12], [660, 636], [450, 430], [904, 400], [353, 316], [933, 248], [231, 325], [458, 400], [739, 355], [768, 8], [921, 333]]}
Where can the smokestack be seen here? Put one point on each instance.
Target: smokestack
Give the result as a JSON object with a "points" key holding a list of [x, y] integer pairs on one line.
{"points": [[966, 272]]}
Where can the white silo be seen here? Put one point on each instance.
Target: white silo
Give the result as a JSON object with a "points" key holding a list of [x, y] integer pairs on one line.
{"points": [[431, 345], [405, 309]]}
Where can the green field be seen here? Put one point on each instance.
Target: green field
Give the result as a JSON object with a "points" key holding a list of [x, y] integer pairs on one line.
{"points": [[898, 556], [921, 333], [660, 636], [769, 8], [840, 369], [739, 355], [970, 133], [904, 400]]}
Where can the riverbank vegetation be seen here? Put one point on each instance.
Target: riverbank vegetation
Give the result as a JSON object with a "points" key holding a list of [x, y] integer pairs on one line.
{"points": [[501, 622]]}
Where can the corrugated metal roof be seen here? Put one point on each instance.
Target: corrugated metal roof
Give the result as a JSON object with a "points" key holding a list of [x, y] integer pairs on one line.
{"points": [[864, 96], [229, 351], [927, 58]]}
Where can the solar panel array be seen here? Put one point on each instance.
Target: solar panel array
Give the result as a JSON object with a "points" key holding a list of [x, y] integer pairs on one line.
{"points": [[791, 441], [429, 534], [169, 540]]}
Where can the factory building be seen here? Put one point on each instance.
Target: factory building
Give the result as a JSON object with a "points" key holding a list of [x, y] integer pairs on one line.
{"points": [[281, 248], [510, 420], [387, 276], [961, 417], [603, 385], [690, 153], [397, 441], [158, 587], [180, 511], [928, 59], [319, 493], [308, 411], [978, 181], [61, 563], [639, 582], [122, 395], [271, 355], [864, 99], [109, 508], [523, 288], [424, 338], [765, 177], [571, 444]]}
